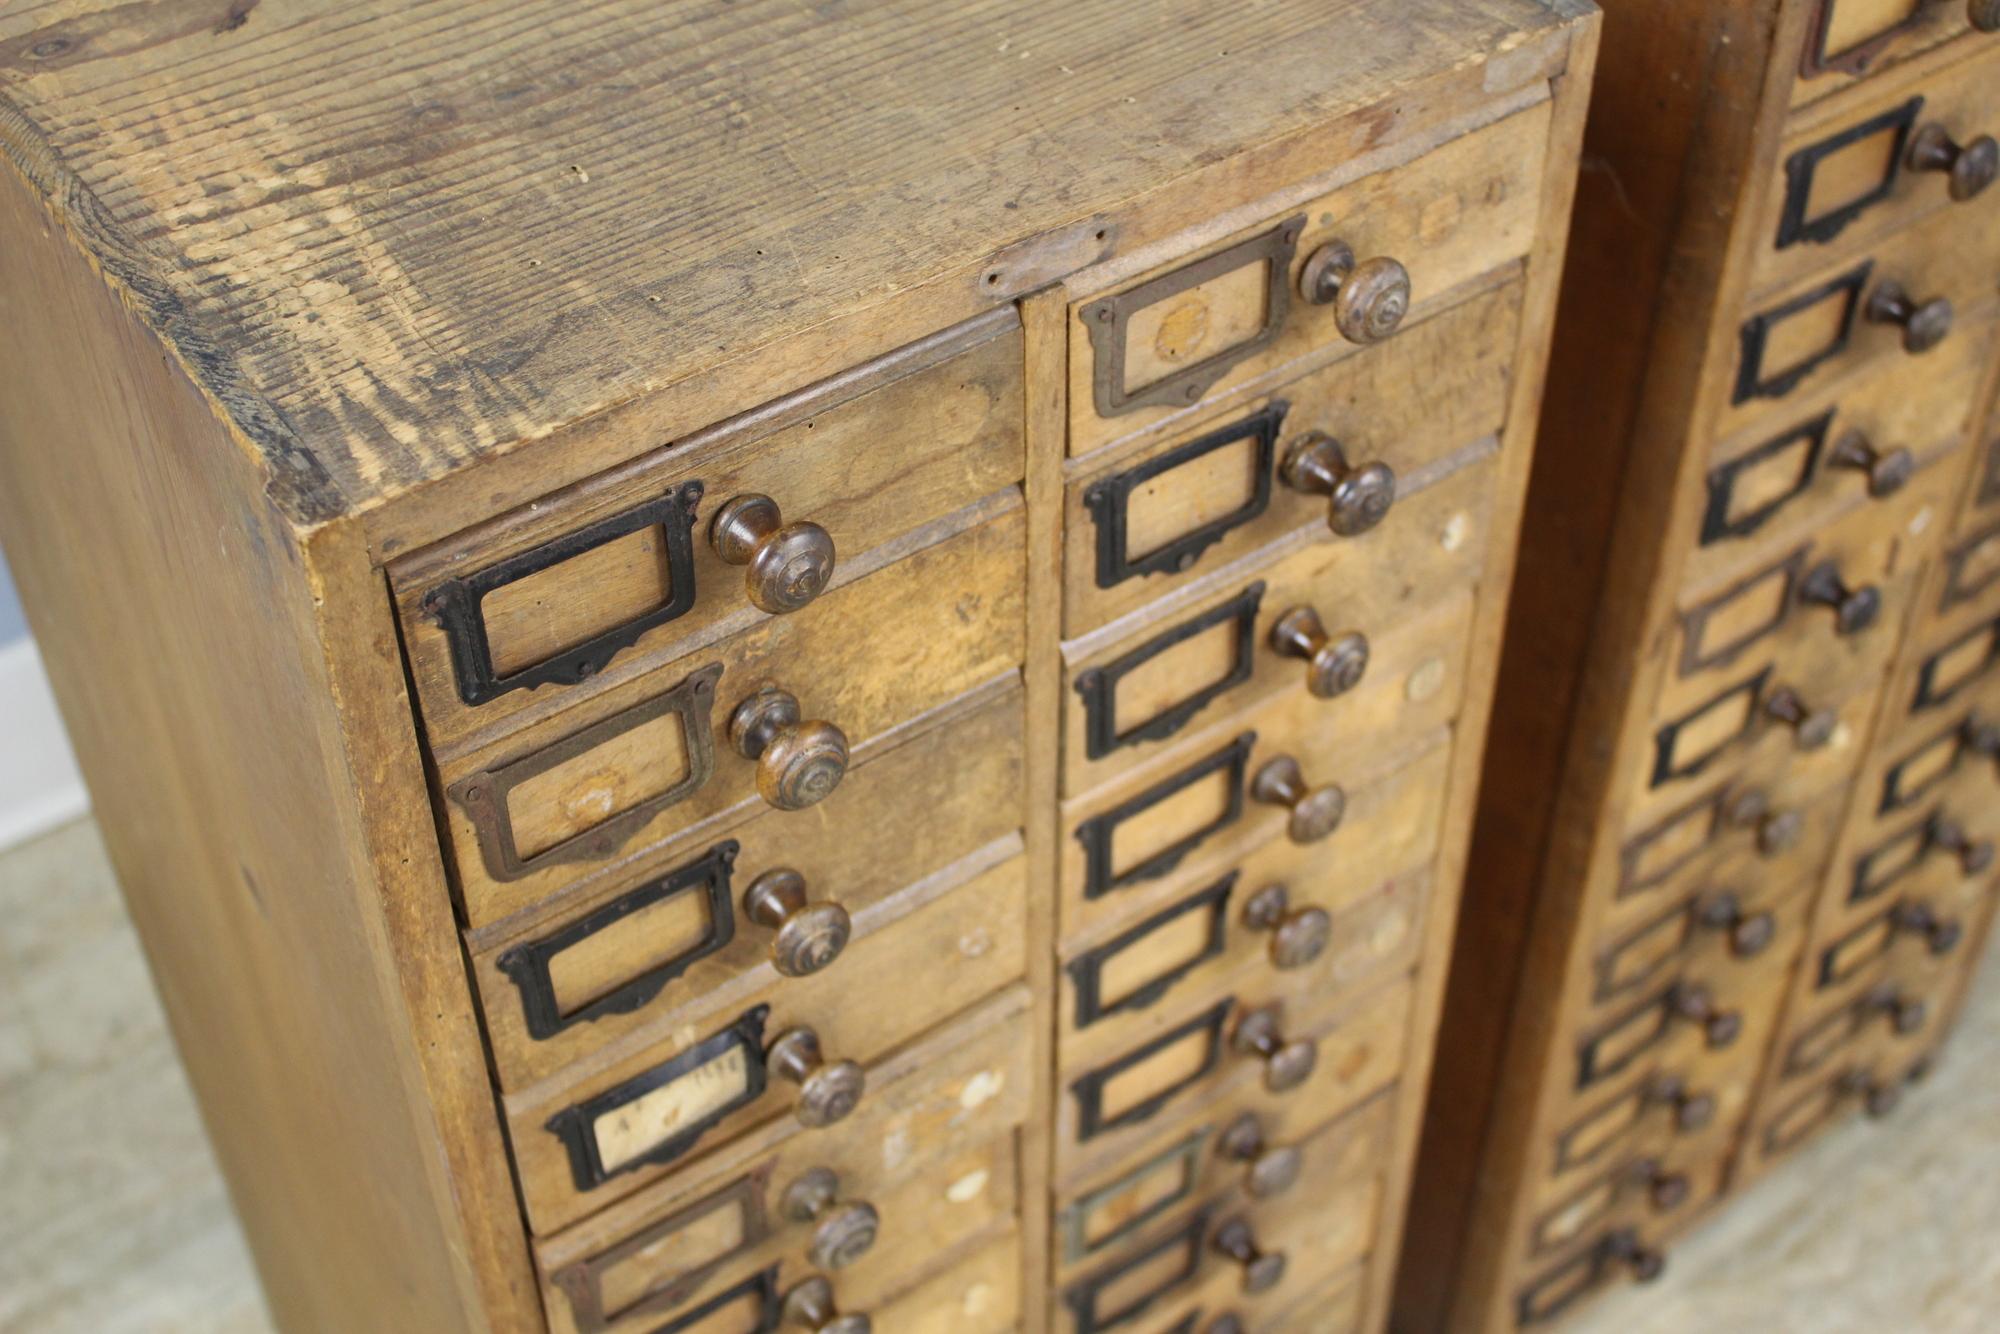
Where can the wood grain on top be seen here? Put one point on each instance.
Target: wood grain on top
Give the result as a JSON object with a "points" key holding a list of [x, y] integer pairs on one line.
{"points": [[391, 238]]}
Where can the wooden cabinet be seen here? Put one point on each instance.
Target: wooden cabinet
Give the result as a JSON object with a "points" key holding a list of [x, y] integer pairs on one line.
{"points": [[756, 667], [1736, 835]]}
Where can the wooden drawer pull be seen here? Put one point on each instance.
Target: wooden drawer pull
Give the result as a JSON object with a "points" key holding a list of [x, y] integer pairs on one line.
{"points": [[1691, 1111], [1854, 609], [1358, 497], [1924, 323], [1983, 15], [846, 1228], [1262, 1270], [787, 564], [1274, 1168], [1906, 1014], [1624, 1247], [1369, 299], [1298, 935], [1286, 1064], [1887, 471], [1694, 1002], [1940, 934], [1975, 856], [809, 1305], [1226, 1323], [1334, 664], [1316, 812], [807, 936], [1750, 934], [1813, 728], [798, 761], [827, 1093], [1971, 167], [1778, 832], [1665, 1190]]}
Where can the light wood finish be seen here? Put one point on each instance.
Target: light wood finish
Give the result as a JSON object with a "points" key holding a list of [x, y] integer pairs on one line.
{"points": [[1693, 700], [619, 513]]}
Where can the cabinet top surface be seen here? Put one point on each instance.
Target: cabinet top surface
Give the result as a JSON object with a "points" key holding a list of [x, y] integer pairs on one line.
{"points": [[392, 237]]}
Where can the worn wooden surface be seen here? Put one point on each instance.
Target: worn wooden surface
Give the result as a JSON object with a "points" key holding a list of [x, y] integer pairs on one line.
{"points": [[391, 241]]}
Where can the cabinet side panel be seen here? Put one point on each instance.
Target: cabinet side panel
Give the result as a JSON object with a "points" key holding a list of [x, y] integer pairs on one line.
{"points": [[198, 658]]}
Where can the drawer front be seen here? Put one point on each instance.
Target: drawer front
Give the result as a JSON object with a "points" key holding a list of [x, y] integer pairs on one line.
{"points": [[1893, 1016], [1153, 520], [1689, 1098], [624, 573], [1728, 923], [1219, 325], [1850, 40], [1312, 623], [1316, 1053], [1271, 1250], [1620, 1250], [1636, 1189], [1862, 441], [1290, 764], [1894, 303], [801, 1049], [564, 799], [772, 899], [1932, 852], [1915, 939], [1895, 156]]}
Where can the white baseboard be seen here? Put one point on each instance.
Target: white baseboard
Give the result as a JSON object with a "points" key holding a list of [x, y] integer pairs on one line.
{"points": [[39, 785]]}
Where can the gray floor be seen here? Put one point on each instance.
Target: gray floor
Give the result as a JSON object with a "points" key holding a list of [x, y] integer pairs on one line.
{"points": [[112, 1220]]}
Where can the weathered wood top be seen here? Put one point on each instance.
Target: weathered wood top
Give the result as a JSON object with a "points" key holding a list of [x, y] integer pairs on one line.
{"points": [[392, 237]]}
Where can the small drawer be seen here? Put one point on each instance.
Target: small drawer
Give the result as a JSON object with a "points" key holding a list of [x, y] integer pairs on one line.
{"points": [[771, 899], [1748, 733], [1969, 578], [1934, 851], [1267, 1251], [1264, 1157], [1292, 763], [1645, 1189], [1867, 441], [1884, 161], [1953, 757], [1624, 1249], [1344, 269], [1894, 304], [1915, 939], [624, 573], [1687, 1100], [769, 718], [804, 1048], [1885, 1016], [1849, 40], [1956, 669], [1312, 623], [1337, 456], [868, 1231], [1874, 1086], [1260, 1053], [1731, 921]]}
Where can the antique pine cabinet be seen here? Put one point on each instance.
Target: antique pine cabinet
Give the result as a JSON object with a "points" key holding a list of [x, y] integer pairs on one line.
{"points": [[1735, 846], [764, 665]]}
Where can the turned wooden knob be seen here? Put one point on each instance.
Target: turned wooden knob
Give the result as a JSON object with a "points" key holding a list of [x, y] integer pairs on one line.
{"points": [[1335, 664], [1665, 1190], [1975, 856], [1694, 1002], [1644, 1262], [787, 564], [1906, 1014], [1298, 935], [1777, 832], [1983, 15], [1357, 497], [1982, 738], [1940, 934], [1854, 609], [806, 936], [1286, 1064], [827, 1093], [1888, 471], [1812, 728], [798, 761], [846, 1228], [1262, 1270], [1691, 1111], [809, 1305], [1879, 1100], [1369, 299], [1924, 323], [1316, 812], [1274, 1168], [1749, 933], [1970, 167], [1226, 1323]]}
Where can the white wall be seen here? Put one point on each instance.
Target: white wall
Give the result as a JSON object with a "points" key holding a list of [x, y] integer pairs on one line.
{"points": [[39, 785]]}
